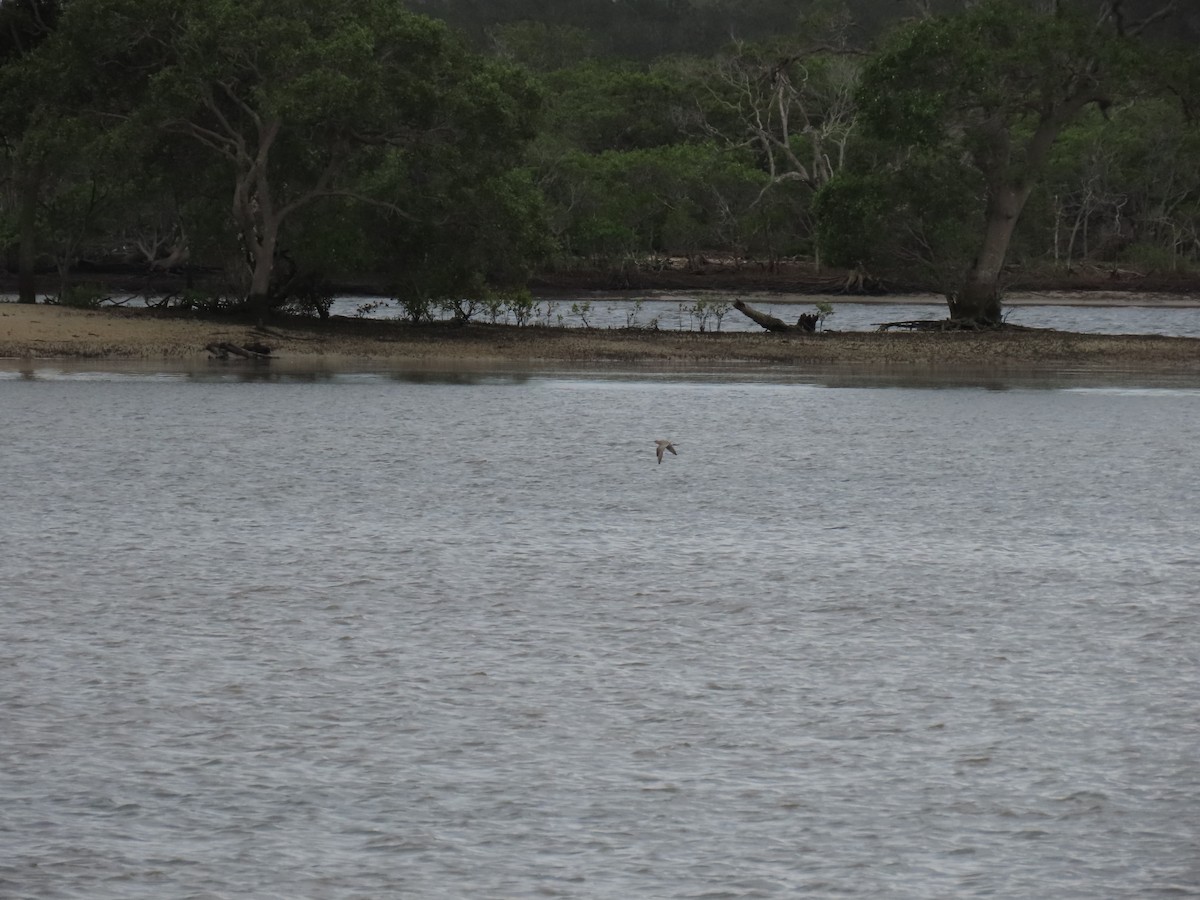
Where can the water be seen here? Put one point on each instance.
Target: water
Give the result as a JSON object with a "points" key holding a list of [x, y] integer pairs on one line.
{"points": [[458, 635], [1175, 315]]}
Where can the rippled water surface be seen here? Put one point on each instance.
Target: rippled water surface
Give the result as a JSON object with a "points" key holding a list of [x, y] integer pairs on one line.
{"points": [[461, 636]]}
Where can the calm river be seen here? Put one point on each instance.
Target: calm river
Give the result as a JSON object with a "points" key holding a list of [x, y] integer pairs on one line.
{"points": [[424, 635]]}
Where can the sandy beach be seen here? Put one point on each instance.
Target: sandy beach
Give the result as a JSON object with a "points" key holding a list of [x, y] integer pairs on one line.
{"points": [[54, 332]]}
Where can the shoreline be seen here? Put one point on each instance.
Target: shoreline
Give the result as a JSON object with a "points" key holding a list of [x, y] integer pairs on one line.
{"points": [[1051, 297], [787, 281], [47, 333]]}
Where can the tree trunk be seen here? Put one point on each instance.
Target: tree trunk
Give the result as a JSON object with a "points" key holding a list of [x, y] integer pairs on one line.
{"points": [[258, 302], [262, 252], [978, 298], [254, 209]]}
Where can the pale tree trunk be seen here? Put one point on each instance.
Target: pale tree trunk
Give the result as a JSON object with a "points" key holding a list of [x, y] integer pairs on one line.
{"points": [[263, 254], [254, 211]]}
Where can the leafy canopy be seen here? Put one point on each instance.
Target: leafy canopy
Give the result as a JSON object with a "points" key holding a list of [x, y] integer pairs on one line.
{"points": [[1000, 67], [309, 105]]}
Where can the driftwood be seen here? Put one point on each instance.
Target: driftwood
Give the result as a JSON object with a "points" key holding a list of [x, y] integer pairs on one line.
{"points": [[806, 322], [225, 349], [922, 325], [940, 325]]}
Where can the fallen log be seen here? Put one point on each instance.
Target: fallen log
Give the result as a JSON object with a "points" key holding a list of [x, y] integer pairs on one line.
{"points": [[225, 349], [805, 323], [940, 325]]}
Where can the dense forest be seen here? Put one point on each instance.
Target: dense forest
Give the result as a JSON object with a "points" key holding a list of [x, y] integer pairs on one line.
{"points": [[447, 150]]}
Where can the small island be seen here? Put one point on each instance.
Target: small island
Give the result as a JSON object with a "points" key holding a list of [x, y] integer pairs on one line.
{"points": [[119, 333]]}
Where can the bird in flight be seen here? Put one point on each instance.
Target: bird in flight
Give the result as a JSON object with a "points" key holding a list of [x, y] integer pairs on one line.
{"points": [[660, 446]]}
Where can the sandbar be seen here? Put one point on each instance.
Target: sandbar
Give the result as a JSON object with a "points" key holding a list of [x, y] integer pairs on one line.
{"points": [[48, 332]]}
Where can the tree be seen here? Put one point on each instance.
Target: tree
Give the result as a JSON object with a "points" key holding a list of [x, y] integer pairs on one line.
{"points": [[1122, 190], [791, 106], [24, 26], [996, 84], [597, 106], [301, 101], [913, 224], [473, 238], [788, 105]]}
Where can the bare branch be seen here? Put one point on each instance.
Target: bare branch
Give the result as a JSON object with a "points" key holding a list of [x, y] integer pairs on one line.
{"points": [[1115, 13]]}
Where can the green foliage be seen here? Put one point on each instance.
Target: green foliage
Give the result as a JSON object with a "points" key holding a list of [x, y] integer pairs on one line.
{"points": [[1155, 259], [582, 310], [81, 296], [992, 87], [704, 311], [502, 305], [472, 233], [652, 29], [853, 212], [992, 67], [1117, 185], [314, 111], [521, 305], [543, 46], [417, 309], [597, 106], [677, 200], [918, 224]]}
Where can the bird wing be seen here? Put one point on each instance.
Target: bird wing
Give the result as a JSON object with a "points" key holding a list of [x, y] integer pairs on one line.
{"points": [[671, 447], [658, 452]]}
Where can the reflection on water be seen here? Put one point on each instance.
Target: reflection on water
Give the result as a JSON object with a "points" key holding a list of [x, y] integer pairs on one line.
{"points": [[419, 633], [936, 376]]}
